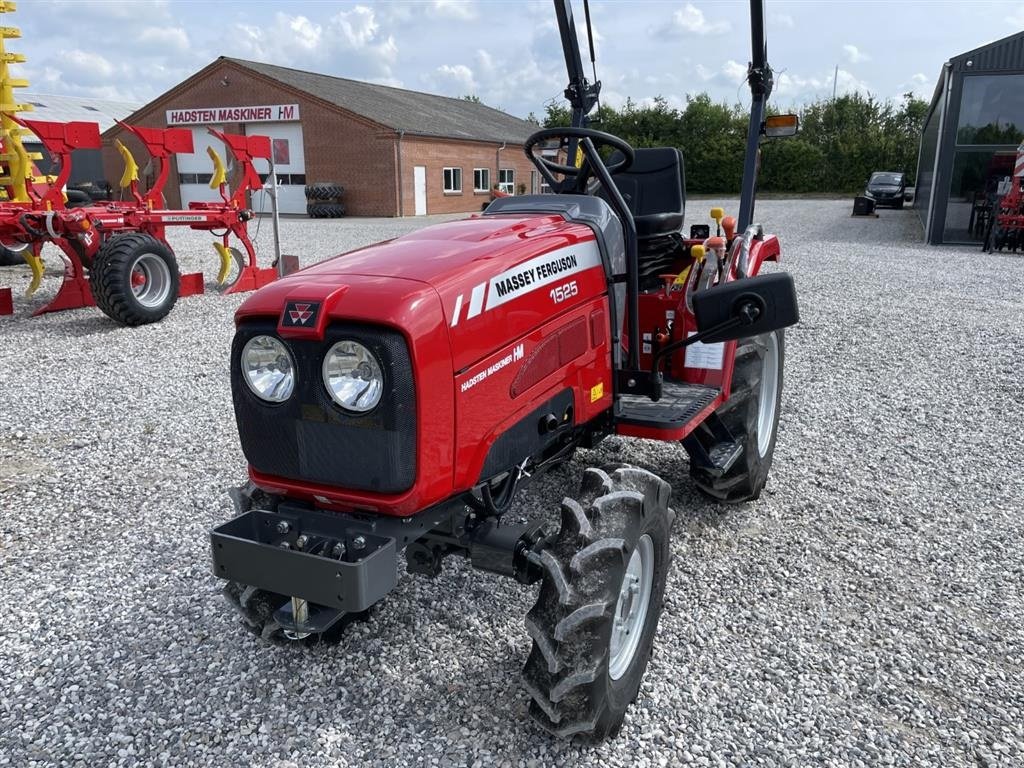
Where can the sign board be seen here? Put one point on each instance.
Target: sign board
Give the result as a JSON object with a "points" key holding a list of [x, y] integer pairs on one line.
{"points": [[268, 113]]}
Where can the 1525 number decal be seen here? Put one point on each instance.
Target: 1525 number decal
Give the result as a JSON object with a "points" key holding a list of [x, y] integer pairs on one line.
{"points": [[562, 292]]}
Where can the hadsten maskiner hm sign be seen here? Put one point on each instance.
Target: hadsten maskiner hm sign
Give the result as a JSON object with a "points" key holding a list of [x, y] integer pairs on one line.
{"points": [[268, 113]]}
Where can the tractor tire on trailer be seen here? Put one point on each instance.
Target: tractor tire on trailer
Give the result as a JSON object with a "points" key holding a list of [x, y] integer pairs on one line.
{"points": [[752, 416], [327, 190], [135, 279], [325, 210], [600, 600]]}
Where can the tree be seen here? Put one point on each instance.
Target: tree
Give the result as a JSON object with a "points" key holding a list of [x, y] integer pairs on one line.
{"points": [[840, 143]]}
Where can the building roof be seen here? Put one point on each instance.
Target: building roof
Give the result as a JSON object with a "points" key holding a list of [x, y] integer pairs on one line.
{"points": [[1004, 54], [422, 114], [65, 109]]}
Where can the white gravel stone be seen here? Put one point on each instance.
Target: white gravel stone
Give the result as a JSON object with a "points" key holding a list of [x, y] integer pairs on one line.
{"points": [[867, 610]]}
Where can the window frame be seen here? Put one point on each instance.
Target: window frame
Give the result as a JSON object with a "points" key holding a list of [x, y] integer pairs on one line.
{"points": [[487, 180], [508, 187], [455, 170]]}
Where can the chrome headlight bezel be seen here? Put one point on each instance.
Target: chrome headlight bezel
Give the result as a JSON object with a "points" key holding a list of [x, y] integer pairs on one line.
{"points": [[281, 389], [336, 374]]}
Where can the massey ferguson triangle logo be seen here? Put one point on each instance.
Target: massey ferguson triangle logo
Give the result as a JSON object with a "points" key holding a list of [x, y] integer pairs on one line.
{"points": [[301, 314]]}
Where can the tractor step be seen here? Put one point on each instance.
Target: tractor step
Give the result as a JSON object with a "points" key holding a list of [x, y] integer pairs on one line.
{"points": [[679, 405], [723, 455]]}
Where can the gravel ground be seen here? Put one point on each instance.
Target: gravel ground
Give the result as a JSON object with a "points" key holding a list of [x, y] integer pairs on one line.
{"points": [[866, 611]]}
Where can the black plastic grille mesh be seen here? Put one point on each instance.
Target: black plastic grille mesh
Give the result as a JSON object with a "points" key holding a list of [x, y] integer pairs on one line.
{"points": [[310, 438]]}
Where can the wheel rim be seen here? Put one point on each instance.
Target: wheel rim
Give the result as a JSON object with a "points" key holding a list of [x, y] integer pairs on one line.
{"points": [[769, 394], [151, 280], [631, 608]]}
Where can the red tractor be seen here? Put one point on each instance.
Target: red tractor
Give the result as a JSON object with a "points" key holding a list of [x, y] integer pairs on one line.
{"points": [[395, 398]]}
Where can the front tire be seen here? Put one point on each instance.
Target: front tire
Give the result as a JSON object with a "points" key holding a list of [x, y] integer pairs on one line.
{"points": [[752, 416], [600, 600]]}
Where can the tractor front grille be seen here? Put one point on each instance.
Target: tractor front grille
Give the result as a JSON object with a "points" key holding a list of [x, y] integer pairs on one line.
{"points": [[310, 438]]}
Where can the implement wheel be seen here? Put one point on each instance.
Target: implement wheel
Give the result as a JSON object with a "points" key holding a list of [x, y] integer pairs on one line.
{"points": [[9, 258], [134, 279], [600, 600], [752, 415]]}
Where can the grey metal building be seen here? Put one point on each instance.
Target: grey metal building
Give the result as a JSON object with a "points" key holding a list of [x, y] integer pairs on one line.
{"points": [[87, 164], [969, 141]]}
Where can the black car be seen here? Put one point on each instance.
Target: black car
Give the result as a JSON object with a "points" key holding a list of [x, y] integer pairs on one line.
{"points": [[887, 188]]}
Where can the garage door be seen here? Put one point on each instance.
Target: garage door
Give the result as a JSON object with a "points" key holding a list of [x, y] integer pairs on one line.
{"points": [[289, 164]]}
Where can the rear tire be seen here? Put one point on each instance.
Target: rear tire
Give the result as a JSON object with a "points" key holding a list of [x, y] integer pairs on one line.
{"points": [[600, 600], [752, 416], [134, 279]]}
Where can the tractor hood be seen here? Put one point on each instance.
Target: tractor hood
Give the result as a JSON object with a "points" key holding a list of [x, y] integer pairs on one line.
{"points": [[496, 277]]}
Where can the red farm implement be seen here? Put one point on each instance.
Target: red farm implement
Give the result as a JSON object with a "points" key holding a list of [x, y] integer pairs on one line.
{"points": [[116, 254], [1007, 225]]}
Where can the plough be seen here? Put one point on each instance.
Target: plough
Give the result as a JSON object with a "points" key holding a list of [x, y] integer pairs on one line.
{"points": [[1006, 229], [116, 255]]}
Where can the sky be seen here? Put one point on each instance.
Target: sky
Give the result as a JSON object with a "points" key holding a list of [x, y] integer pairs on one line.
{"points": [[507, 53]]}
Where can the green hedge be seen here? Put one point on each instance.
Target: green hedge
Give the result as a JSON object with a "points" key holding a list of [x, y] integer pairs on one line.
{"points": [[840, 143]]}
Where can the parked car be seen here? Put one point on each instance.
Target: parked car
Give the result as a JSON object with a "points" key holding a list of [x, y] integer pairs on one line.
{"points": [[887, 188]]}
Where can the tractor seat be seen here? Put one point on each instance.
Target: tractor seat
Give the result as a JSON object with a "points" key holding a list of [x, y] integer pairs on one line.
{"points": [[654, 188]]}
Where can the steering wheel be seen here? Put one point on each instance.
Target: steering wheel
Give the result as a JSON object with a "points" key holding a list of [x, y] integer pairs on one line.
{"points": [[576, 178]]}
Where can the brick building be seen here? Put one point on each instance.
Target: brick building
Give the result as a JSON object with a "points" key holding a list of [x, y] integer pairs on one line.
{"points": [[397, 152]]}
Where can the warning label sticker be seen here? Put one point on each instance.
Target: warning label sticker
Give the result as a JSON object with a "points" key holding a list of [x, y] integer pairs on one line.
{"points": [[707, 356]]}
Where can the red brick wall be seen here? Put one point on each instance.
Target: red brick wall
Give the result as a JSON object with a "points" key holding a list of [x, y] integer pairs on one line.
{"points": [[437, 154], [339, 147]]}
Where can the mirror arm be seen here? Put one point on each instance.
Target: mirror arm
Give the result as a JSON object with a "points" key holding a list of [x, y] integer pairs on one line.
{"points": [[668, 349], [746, 313]]}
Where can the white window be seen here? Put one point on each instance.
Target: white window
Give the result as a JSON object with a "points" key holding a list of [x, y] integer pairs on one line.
{"points": [[452, 180], [507, 180], [481, 179]]}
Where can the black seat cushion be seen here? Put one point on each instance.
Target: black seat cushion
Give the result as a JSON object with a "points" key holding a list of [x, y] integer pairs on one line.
{"points": [[654, 188]]}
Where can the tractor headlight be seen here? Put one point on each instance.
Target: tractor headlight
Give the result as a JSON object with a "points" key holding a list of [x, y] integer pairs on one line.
{"points": [[268, 369], [353, 376]]}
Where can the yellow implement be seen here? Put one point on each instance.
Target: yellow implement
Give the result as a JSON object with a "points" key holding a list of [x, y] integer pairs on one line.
{"points": [[227, 256], [131, 168], [35, 263], [220, 173]]}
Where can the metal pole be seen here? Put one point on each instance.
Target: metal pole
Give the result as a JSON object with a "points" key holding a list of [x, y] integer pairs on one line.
{"points": [[275, 220], [759, 76]]}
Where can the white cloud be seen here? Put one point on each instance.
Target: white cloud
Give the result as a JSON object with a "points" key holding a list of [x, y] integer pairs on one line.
{"points": [[454, 9], [854, 55], [458, 75], [1017, 17], [358, 26], [782, 19], [128, 10], [305, 33], [174, 38], [92, 65], [800, 88], [691, 19], [735, 71]]}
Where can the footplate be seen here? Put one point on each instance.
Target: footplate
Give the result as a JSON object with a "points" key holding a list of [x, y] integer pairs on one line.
{"points": [[320, 557]]}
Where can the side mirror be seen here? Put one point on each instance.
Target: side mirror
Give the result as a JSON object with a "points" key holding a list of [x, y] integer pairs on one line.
{"points": [[778, 126], [746, 307]]}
